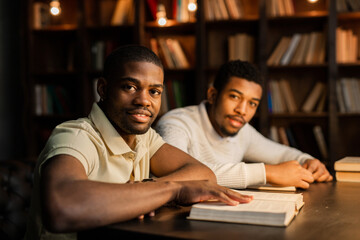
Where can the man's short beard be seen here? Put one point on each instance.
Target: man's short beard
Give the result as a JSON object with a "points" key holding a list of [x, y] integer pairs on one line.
{"points": [[227, 133]]}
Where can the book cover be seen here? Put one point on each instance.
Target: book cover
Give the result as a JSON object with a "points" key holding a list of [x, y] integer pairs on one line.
{"points": [[272, 209], [348, 164]]}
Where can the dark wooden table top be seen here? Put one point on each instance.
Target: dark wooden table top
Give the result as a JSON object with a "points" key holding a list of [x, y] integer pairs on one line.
{"points": [[331, 211]]}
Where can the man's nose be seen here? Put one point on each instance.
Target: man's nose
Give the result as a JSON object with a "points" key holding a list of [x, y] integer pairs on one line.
{"points": [[142, 98], [241, 108]]}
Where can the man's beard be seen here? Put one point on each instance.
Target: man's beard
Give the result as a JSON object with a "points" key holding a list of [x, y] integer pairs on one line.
{"points": [[227, 133]]}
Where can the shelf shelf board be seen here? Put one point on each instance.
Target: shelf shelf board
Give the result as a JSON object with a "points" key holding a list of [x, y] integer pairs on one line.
{"points": [[349, 115], [170, 24], [301, 16], [110, 28], [300, 66], [56, 73], [348, 15], [299, 115], [57, 28]]}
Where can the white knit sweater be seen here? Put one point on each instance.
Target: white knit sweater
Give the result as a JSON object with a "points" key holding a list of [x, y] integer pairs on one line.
{"points": [[190, 130]]}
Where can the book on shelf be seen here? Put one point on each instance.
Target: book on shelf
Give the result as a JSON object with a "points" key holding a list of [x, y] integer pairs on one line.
{"points": [[300, 52], [347, 169], [320, 140], [348, 94], [41, 15], [347, 45], [286, 58], [276, 8], [270, 209], [288, 95], [241, 46], [51, 99], [313, 97], [279, 51], [223, 9], [123, 13]]}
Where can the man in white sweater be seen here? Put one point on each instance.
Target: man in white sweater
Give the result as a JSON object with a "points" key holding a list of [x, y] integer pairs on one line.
{"points": [[217, 133]]}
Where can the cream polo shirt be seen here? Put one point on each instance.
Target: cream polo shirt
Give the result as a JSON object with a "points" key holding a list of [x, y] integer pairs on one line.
{"points": [[190, 130], [101, 150]]}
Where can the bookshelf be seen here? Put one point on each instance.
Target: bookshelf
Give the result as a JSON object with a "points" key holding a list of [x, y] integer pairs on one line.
{"points": [[68, 52]]}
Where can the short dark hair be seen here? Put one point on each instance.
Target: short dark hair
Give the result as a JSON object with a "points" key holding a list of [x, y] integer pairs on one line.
{"points": [[128, 53], [236, 68]]}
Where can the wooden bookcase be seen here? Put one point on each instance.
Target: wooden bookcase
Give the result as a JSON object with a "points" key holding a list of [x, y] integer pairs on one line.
{"points": [[66, 52]]}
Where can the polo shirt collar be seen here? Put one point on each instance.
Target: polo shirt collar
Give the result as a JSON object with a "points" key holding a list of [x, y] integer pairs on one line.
{"points": [[112, 138], [208, 127]]}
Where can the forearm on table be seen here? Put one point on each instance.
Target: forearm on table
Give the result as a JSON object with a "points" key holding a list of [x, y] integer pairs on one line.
{"points": [[239, 175], [84, 204]]}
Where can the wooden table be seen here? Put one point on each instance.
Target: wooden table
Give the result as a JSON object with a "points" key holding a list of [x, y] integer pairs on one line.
{"points": [[331, 211]]}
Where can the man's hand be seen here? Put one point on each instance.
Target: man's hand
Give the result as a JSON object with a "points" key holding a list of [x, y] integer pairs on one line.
{"points": [[198, 191], [289, 173], [318, 170]]}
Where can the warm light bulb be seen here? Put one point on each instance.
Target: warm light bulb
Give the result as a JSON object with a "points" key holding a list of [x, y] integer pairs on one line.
{"points": [[192, 6], [161, 21], [55, 8], [161, 15], [312, 1]]}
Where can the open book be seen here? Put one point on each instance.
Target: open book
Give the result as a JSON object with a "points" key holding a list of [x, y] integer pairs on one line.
{"points": [[273, 209]]}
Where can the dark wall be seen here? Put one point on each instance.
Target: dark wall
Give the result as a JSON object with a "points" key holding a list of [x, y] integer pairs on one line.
{"points": [[11, 90]]}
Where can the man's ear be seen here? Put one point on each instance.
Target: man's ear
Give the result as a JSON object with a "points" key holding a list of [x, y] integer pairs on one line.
{"points": [[102, 88], [211, 95]]}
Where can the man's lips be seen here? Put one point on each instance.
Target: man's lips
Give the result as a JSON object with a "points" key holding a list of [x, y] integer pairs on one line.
{"points": [[140, 115], [236, 121]]}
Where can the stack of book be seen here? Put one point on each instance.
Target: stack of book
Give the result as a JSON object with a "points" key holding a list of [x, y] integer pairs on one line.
{"points": [[348, 95], [348, 169], [347, 46], [216, 10], [241, 46]]}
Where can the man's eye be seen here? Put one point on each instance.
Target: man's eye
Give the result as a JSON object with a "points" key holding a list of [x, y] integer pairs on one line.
{"points": [[155, 92], [129, 88], [253, 104], [234, 96]]}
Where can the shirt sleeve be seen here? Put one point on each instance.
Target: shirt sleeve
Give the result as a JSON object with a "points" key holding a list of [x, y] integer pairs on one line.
{"points": [[261, 149], [232, 175], [71, 142]]}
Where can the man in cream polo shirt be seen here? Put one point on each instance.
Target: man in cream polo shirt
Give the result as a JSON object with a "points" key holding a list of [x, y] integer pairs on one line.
{"points": [[86, 174]]}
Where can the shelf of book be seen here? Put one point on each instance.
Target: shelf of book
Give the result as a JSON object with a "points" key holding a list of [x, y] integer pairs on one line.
{"points": [[75, 45]]}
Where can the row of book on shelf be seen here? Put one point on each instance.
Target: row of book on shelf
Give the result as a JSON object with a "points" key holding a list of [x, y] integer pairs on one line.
{"points": [[51, 99], [347, 45], [281, 98], [306, 48], [347, 169], [347, 5], [216, 10], [241, 46], [277, 8], [302, 136], [179, 10], [170, 52], [348, 95]]}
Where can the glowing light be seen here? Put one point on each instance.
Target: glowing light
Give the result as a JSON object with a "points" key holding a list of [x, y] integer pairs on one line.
{"points": [[192, 6], [55, 8], [312, 1], [161, 15]]}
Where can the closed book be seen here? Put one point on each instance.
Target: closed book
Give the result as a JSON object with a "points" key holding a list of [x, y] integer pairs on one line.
{"points": [[313, 97], [348, 164], [347, 176], [272, 209]]}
